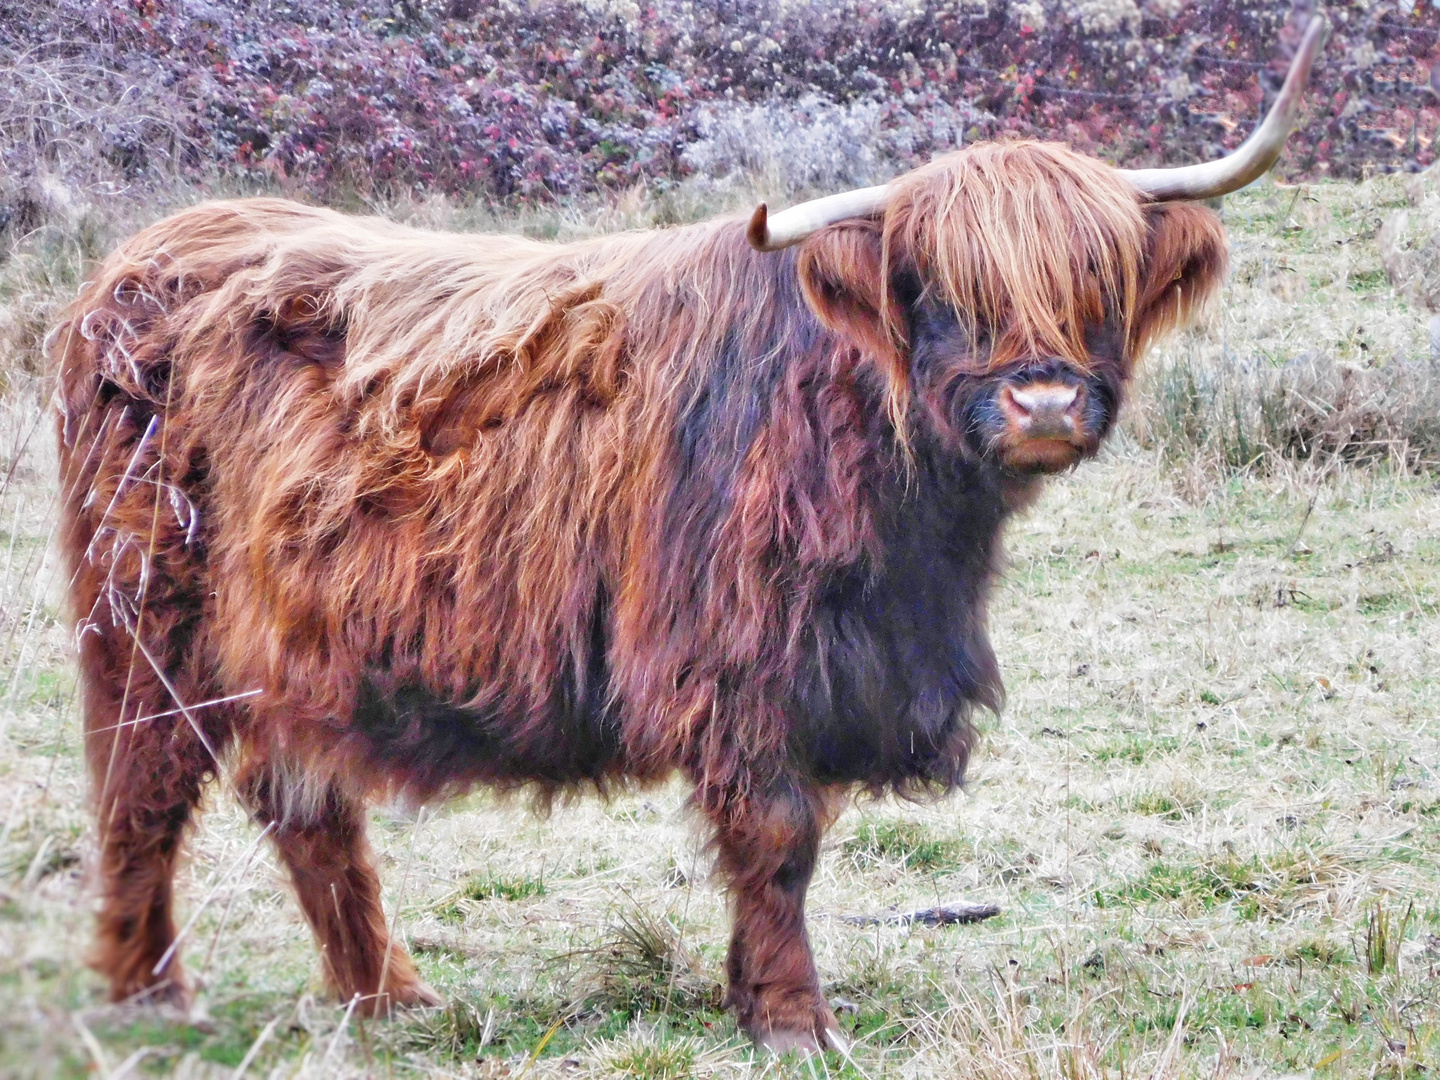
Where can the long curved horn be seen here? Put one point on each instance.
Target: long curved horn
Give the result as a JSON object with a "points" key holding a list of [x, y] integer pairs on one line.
{"points": [[790, 226], [1203, 181], [1255, 155]]}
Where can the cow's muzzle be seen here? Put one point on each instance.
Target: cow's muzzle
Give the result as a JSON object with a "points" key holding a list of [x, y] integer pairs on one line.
{"points": [[1041, 424]]}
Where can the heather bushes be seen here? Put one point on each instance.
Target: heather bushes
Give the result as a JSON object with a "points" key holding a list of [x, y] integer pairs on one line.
{"points": [[537, 101]]}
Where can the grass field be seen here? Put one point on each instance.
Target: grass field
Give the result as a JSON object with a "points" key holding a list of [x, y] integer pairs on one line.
{"points": [[1210, 812]]}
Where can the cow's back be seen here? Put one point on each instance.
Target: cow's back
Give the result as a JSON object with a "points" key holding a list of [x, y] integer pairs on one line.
{"points": [[377, 483]]}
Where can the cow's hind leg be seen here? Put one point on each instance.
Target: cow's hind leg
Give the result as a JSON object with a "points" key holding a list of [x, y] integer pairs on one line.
{"points": [[148, 773], [768, 843], [320, 835]]}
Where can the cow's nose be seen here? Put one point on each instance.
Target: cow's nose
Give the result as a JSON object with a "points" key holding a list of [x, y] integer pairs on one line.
{"points": [[1043, 410]]}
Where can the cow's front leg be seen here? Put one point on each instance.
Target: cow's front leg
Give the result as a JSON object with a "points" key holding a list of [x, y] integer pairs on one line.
{"points": [[768, 842]]}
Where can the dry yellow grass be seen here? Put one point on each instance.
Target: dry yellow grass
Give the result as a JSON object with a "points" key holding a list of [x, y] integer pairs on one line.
{"points": [[1210, 812]]}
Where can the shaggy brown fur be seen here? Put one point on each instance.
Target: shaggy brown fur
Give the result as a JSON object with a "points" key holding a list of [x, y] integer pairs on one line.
{"points": [[468, 510]]}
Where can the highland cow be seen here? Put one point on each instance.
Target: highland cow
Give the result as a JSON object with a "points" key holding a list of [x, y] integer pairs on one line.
{"points": [[359, 511]]}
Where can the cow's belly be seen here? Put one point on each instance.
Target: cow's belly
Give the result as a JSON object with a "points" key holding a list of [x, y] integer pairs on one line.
{"points": [[428, 745]]}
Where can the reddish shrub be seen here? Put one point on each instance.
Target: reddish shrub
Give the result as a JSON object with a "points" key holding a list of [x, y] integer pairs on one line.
{"points": [[523, 101]]}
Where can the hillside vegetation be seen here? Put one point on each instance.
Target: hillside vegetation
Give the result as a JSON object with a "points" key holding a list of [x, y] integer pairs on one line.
{"points": [[538, 100]]}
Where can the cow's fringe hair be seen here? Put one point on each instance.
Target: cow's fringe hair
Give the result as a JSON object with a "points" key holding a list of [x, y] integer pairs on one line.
{"points": [[1026, 239]]}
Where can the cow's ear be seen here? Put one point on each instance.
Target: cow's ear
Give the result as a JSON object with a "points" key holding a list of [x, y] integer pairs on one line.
{"points": [[843, 276], [1185, 262]]}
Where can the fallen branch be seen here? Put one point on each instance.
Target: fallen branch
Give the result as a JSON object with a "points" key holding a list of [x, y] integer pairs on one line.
{"points": [[944, 915]]}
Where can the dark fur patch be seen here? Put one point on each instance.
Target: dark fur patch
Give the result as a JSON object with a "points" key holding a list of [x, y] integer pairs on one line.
{"points": [[898, 657], [438, 745], [569, 738]]}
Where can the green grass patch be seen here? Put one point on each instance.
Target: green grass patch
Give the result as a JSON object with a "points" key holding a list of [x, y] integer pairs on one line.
{"points": [[1318, 950], [1195, 885], [1368, 280], [1134, 749], [489, 887], [655, 1059], [908, 843], [483, 887], [1267, 887], [1158, 804]]}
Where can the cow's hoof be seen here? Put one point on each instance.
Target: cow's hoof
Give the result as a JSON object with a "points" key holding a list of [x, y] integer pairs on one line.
{"points": [[415, 995], [412, 994], [169, 996], [422, 996], [806, 1041], [786, 1040]]}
